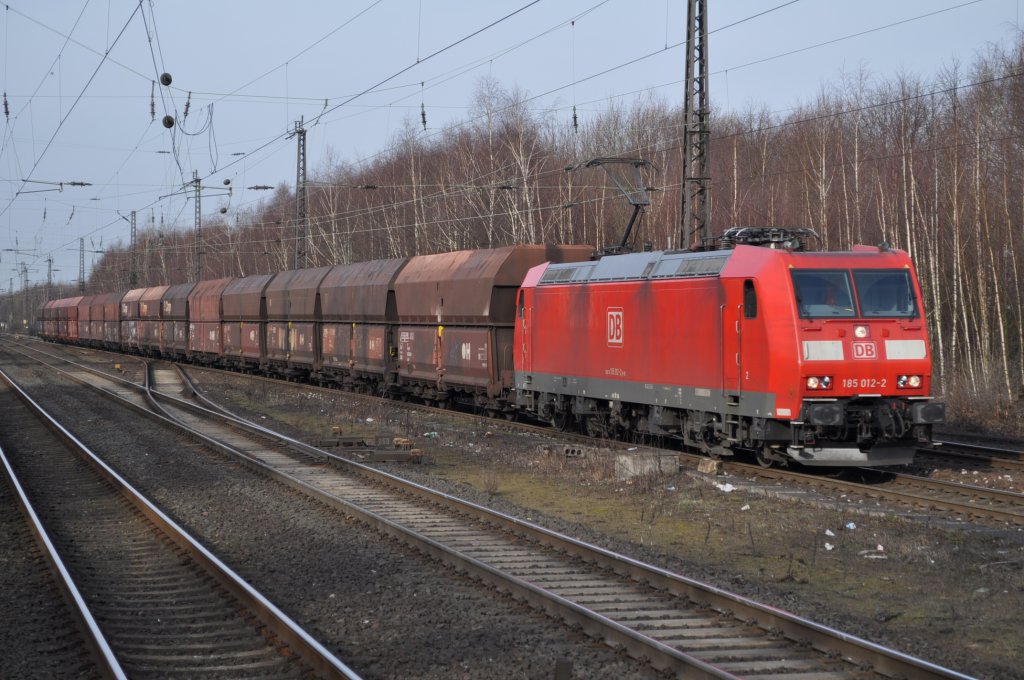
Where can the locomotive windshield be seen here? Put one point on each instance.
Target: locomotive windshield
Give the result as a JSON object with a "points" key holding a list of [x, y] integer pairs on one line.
{"points": [[885, 292], [823, 293], [827, 293]]}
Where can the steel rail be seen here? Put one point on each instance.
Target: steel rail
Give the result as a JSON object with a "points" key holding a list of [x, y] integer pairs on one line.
{"points": [[103, 655], [312, 653], [911, 496], [978, 454]]}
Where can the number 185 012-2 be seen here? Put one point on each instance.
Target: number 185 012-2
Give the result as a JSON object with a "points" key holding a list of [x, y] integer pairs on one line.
{"points": [[864, 383]]}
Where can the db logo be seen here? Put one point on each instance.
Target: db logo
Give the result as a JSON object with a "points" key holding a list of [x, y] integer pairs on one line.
{"points": [[615, 326], [864, 350]]}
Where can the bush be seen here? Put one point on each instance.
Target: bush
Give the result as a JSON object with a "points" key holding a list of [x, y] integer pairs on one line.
{"points": [[981, 404]]}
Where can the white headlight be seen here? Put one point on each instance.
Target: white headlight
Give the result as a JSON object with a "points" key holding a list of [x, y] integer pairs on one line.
{"points": [[812, 383], [915, 381], [860, 331]]}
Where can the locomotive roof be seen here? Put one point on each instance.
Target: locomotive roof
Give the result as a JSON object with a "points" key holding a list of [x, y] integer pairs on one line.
{"points": [[684, 264], [635, 266]]}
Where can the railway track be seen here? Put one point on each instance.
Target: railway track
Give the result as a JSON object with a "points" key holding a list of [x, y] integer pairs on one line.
{"points": [[914, 493], [902, 490], [41, 634], [975, 456], [155, 603], [963, 502], [674, 622]]}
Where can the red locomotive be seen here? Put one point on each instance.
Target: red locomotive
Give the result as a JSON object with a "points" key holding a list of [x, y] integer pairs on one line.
{"points": [[821, 358]]}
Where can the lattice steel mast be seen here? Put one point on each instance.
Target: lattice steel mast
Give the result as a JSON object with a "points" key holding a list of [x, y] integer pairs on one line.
{"points": [[696, 209], [198, 244], [133, 262], [301, 209]]}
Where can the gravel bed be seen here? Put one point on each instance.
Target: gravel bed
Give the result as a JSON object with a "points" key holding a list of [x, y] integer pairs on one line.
{"points": [[39, 636], [383, 609]]}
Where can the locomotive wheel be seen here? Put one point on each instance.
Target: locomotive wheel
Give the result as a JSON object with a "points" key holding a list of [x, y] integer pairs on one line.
{"points": [[562, 421], [597, 427], [766, 457]]}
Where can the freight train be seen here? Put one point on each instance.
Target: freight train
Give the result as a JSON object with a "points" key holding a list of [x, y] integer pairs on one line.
{"points": [[821, 358]]}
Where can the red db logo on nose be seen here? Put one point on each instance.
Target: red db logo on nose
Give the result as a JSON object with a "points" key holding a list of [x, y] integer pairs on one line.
{"points": [[864, 350]]}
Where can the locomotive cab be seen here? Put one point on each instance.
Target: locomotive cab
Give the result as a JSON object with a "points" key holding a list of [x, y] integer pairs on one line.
{"points": [[864, 363]]}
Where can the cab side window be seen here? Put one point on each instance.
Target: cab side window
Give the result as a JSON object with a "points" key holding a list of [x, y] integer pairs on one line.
{"points": [[749, 300]]}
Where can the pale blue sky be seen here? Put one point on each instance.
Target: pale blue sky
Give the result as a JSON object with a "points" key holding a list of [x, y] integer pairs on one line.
{"points": [[262, 65]]}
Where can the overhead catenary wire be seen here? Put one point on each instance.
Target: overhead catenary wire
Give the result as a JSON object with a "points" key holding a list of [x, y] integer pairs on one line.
{"points": [[665, 188], [158, 70], [71, 109], [325, 112], [10, 131], [175, 146]]}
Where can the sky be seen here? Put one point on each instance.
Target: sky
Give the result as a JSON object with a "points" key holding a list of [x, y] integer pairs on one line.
{"points": [[83, 102]]}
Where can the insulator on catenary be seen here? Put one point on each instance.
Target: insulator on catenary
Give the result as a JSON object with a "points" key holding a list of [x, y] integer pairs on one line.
{"points": [[152, 102], [7, 109], [575, 120], [188, 105], [423, 109]]}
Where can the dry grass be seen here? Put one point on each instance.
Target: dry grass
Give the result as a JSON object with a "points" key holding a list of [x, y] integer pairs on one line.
{"points": [[490, 481], [982, 404]]}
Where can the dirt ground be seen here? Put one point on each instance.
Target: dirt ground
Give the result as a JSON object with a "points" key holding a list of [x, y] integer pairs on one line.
{"points": [[951, 594]]}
